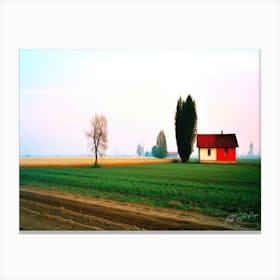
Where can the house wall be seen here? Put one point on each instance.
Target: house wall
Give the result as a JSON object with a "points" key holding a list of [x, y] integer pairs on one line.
{"points": [[203, 154], [222, 156]]}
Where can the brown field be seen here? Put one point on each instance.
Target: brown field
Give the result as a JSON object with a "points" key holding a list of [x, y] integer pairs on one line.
{"points": [[87, 161], [46, 209]]}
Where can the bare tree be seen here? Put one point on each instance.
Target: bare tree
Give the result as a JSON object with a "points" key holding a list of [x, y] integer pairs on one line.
{"points": [[97, 136]]}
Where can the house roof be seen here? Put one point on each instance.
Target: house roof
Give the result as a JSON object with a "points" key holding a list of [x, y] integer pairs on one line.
{"points": [[216, 141]]}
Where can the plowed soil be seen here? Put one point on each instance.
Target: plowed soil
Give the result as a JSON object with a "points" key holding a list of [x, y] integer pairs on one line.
{"points": [[47, 209]]}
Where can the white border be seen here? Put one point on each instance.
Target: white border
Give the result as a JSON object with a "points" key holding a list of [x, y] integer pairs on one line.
{"points": [[140, 25]]}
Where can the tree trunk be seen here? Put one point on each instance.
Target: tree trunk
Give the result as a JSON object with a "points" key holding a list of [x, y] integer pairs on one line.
{"points": [[95, 163]]}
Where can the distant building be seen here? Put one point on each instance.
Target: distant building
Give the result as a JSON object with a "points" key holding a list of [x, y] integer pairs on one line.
{"points": [[172, 155], [251, 150], [217, 148]]}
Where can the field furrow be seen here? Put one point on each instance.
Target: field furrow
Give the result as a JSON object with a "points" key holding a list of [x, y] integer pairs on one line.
{"points": [[43, 209]]}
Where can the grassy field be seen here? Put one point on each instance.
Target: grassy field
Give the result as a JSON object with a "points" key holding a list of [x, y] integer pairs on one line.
{"points": [[216, 189]]}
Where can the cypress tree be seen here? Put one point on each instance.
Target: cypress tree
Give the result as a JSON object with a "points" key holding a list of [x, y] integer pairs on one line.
{"points": [[185, 127]]}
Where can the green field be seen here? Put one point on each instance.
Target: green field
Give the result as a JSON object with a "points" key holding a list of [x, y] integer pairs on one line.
{"points": [[216, 189]]}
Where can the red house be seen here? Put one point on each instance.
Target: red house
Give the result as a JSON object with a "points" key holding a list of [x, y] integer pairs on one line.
{"points": [[217, 148]]}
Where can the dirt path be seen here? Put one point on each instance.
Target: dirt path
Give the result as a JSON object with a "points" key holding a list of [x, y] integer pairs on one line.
{"points": [[47, 209]]}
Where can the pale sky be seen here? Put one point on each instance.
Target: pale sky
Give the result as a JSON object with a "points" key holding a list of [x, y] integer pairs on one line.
{"points": [[137, 90]]}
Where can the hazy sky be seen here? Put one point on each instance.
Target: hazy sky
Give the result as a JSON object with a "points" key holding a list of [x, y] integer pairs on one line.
{"points": [[137, 90]]}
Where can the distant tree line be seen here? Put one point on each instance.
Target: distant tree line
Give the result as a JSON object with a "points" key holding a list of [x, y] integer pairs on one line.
{"points": [[185, 131]]}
